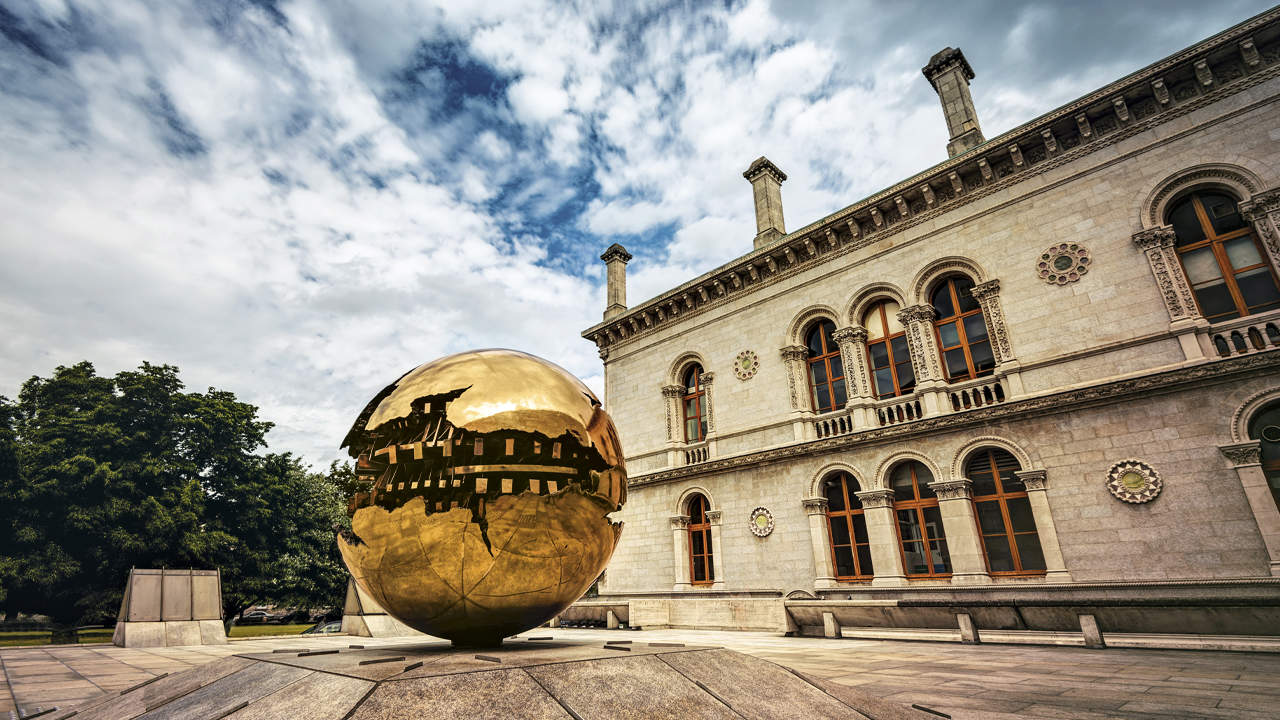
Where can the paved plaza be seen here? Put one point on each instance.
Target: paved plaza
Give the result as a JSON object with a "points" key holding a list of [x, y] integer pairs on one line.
{"points": [[985, 681]]}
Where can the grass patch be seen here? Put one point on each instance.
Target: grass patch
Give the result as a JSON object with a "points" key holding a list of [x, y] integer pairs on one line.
{"points": [[242, 631], [41, 637]]}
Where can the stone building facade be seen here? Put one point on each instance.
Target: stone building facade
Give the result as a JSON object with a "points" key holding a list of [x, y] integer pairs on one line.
{"points": [[1032, 388]]}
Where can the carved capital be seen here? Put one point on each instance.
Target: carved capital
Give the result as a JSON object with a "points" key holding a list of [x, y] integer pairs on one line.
{"points": [[876, 498], [1242, 454], [961, 489], [603, 353], [1156, 237], [672, 391], [1261, 205], [815, 506], [679, 522], [1033, 479], [793, 353], [707, 378], [850, 334], [983, 291], [916, 313], [713, 517]]}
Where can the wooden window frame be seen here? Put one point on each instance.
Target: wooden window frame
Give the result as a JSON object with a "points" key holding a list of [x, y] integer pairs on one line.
{"points": [[1217, 244], [696, 396], [698, 523], [887, 340], [958, 318], [846, 515], [1001, 497], [825, 358], [918, 505]]}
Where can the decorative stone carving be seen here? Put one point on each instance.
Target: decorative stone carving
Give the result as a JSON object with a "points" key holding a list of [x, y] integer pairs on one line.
{"points": [[1245, 453], [1157, 243], [815, 506], [1134, 481], [671, 395], [988, 296], [1063, 263], [746, 365], [1160, 91], [876, 498], [713, 517], [1155, 206], [793, 357], [708, 379], [916, 320], [1203, 73], [1263, 210], [953, 489], [761, 522], [679, 522], [1082, 124], [1249, 52], [1033, 480], [852, 344]]}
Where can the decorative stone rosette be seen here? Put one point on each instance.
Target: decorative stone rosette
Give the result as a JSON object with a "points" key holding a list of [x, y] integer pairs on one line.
{"points": [[1134, 481], [761, 522], [1063, 263], [746, 364]]}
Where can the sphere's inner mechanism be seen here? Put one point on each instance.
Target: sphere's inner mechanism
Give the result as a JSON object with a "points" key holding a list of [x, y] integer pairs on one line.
{"points": [[424, 455]]}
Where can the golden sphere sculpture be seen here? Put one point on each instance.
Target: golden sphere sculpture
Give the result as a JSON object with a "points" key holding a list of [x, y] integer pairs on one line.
{"points": [[485, 483]]}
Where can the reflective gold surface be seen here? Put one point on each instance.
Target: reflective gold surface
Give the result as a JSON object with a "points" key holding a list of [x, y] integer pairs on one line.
{"points": [[487, 478]]}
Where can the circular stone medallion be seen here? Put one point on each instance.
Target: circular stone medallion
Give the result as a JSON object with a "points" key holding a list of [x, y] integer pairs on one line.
{"points": [[761, 522], [1134, 481], [1063, 263], [746, 364]]}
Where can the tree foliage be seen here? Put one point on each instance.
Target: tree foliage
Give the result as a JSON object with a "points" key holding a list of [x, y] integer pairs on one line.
{"points": [[98, 475]]}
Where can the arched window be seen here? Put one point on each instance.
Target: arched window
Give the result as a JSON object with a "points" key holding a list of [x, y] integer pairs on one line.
{"points": [[962, 331], [1265, 427], [701, 568], [887, 352], [924, 543], [1004, 514], [826, 372], [1222, 257], [850, 545], [695, 421]]}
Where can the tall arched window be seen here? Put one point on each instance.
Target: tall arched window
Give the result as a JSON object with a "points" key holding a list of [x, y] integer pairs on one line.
{"points": [[962, 331], [826, 372], [887, 352], [1265, 427], [1223, 260], [701, 568], [924, 543], [1004, 514], [695, 421], [850, 545]]}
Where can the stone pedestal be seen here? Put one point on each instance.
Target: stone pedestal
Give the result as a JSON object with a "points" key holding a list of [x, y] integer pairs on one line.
{"points": [[165, 608], [363, 616]]}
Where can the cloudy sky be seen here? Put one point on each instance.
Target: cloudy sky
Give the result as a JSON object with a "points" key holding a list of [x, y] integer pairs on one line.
{"points": [[299, 200]]}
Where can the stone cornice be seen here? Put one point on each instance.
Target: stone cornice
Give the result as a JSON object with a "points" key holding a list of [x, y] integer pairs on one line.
{"points": [[1157, 383], [1154, 95]]}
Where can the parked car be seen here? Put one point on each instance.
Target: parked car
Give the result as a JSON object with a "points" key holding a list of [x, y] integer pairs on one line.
{"points": [[254, 617], [324, 628]]}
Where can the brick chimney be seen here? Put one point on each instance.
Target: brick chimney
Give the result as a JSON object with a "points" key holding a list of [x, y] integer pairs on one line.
{"points": [[766, 186], [949, 74], [615, 261]]}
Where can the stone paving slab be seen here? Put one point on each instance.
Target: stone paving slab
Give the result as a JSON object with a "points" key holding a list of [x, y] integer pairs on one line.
{"points": [[969, 682]]}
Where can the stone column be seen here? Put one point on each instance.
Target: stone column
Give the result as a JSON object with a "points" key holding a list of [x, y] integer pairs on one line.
{"points": [[1246, 458], [925, 358], [717, 550], [857, 376], [680, 541], [1184, 315], [675, 423], [1263, 210], [882, 531], [820, 539], [707, 384], [955, 505], [988, 296], [1037, 484], [793, 357]]}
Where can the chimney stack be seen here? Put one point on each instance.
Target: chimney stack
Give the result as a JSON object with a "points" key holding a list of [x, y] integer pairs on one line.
{"points": [[766, 186], [615, 261], [949, 73]]}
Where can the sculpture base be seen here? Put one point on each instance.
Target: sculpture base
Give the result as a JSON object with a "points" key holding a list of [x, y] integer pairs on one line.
{"points": [[524, 678]]}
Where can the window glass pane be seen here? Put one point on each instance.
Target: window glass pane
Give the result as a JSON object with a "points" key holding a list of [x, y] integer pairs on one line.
{"points": [[1222, 211], [839, 397], [818, 371], [844, 562], [1265, 426], [913, 558], [814, 341], [691, 429], [884, 383], [940, 556], [891, 310], [933, 523], [706, 540], [837, 367], [1216, 302], [1242, 252], [879, 355], [872, 322], [909, 526], [695, 537], [711, 566], [949, 334], [828, 327], [702, 429], [823, 393], [941, 301], [864, 561], [859, 528], [1029, 551], [983, 482], [956, 365], [691, 379], [1185, 223], [983, 360], [1010, 482], [839, 531], [1257, 287], [900, 483], [901, 353], [999, 557], [906, 377], [834, 494], [1020, 515], [1201, 266], [691, 407], [699, 570], [963, 286], [989, 517], [975, 328]]}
